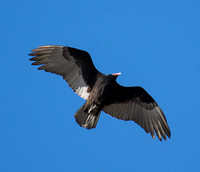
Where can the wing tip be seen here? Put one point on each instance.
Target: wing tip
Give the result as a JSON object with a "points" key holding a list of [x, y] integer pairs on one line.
{"points": [[161, 138], [31, 54]]}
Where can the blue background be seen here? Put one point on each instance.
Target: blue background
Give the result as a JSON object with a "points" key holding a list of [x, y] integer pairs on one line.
{"points": [[155, 44]]}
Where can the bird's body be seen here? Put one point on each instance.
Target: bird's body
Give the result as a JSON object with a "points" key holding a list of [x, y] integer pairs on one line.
{"points": [[101, 91], [99, 94]]}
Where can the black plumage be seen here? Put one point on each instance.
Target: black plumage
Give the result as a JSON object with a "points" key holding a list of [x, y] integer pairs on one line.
{"points": [[101, 91]]}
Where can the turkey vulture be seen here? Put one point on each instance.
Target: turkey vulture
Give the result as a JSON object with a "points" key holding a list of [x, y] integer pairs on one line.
{"points": [[101, 91]]}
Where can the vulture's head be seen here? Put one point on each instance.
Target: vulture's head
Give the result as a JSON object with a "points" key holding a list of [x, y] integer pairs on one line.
{"points": [[112, 77], [116, 74]]}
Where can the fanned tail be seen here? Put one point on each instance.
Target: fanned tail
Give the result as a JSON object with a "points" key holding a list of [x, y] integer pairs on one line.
{"points": [[86, 120]]}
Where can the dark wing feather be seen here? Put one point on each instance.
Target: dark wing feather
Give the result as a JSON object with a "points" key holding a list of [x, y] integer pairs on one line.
{"points": [[74, 65], [134, 103]]}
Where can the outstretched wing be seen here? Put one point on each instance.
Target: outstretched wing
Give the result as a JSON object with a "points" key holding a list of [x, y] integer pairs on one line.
{"points": [[134, 103], [74, 65]]}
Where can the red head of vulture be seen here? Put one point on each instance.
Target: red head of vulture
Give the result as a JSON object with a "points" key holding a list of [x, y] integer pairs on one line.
{"points": [[101, 92]]}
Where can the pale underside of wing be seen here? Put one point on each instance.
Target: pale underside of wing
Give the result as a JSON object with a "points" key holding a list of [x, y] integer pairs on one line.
{"points": [[52, 60], [148, 115]]}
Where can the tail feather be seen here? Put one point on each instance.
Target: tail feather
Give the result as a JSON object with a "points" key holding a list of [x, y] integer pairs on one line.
{"points": [[86, 120]]}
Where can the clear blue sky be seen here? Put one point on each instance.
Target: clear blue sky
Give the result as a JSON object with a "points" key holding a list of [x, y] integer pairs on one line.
{"points": [[155, 44]]}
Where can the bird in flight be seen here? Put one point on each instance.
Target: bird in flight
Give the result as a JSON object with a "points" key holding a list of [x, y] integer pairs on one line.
{"points": [[101, 91]]}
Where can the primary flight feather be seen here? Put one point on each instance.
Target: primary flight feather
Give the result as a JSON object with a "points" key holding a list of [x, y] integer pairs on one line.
{"points": [[101, 91]]}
